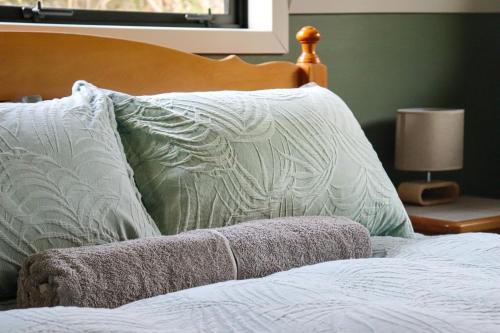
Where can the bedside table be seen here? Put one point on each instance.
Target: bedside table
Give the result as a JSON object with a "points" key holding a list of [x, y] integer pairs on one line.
{"points": [[467, 214]]}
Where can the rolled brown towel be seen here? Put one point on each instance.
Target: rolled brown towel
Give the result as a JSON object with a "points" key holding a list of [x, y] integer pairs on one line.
{"points": [[263, 247], [118, 273]]}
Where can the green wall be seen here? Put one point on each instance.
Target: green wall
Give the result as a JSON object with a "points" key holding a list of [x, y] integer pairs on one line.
{"points": [[381, 62], [482, 103]]}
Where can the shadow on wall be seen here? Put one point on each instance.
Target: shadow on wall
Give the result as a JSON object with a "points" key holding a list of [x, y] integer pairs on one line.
{"points": [[381, 134], [482, 104]]}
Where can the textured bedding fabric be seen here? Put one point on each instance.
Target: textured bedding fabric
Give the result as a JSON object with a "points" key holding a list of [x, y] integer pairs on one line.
{"points": [[64, 180], [434, 284], [110, 275], [204, 160]]}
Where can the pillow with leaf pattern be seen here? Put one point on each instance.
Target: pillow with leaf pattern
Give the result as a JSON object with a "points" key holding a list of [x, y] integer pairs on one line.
{"points": [[64, 180], [218, 158]]}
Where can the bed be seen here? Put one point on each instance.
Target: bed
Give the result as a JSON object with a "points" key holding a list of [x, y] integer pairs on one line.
{"points": [[433, 284], [413, 284]]}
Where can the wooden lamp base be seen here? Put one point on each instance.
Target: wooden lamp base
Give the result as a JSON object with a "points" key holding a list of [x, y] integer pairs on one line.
{"points": [[428, 193]]}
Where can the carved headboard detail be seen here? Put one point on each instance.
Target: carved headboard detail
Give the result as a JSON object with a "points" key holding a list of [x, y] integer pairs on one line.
{"points": [[47, 64]]}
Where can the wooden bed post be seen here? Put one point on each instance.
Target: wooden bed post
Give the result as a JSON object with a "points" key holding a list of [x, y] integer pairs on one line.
{"points": [[314, 70]]}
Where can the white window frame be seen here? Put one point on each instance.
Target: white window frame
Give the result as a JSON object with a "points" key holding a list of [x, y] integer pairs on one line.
{"points": [[393, 6], [267, 32]]}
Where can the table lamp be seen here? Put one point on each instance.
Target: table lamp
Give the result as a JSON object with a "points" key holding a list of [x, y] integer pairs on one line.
{"points": [[429, 139]]}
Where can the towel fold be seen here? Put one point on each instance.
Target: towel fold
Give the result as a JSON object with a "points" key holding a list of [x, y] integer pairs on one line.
{"points": [[118, 273], [114, 274], [263, 247]]}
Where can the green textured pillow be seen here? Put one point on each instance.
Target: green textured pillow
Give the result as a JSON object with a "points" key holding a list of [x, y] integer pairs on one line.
{"points": [[218, 158], [64, 180]]}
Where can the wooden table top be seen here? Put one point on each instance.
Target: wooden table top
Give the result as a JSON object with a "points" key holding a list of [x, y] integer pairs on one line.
{"points": [[467, 214]]}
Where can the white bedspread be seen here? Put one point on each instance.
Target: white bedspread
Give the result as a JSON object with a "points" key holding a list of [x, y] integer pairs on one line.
{"points": [[434, 284]]}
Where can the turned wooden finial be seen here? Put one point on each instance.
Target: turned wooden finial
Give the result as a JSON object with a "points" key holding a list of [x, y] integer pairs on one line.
{"points": [[308, 36]]}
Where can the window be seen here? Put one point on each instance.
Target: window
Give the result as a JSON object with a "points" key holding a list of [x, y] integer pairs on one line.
{"points": [[267, 31], [178, 13]]}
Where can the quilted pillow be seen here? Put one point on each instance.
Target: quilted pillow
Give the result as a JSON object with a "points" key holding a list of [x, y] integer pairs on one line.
{"points": [[212, 159], [64, 180]]}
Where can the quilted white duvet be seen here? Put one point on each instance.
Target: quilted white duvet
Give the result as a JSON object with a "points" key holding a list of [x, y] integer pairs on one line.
{"points": [[433, 284]]}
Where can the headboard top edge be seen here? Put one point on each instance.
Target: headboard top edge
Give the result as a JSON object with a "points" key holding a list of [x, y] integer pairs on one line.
{"points": [[47, 64]]}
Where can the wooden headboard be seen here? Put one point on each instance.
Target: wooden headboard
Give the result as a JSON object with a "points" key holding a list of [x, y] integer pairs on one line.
{"points": [[47, 64]]}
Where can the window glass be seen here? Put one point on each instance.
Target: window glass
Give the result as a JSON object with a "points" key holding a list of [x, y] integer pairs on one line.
{"points": [[179, 13], [156, 6]]}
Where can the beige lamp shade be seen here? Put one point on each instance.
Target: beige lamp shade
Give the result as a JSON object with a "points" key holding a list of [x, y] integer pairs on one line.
{"points": [[429, 139]]}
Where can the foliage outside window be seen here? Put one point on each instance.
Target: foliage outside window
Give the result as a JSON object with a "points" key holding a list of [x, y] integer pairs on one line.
{"points": [[186, 13]]}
